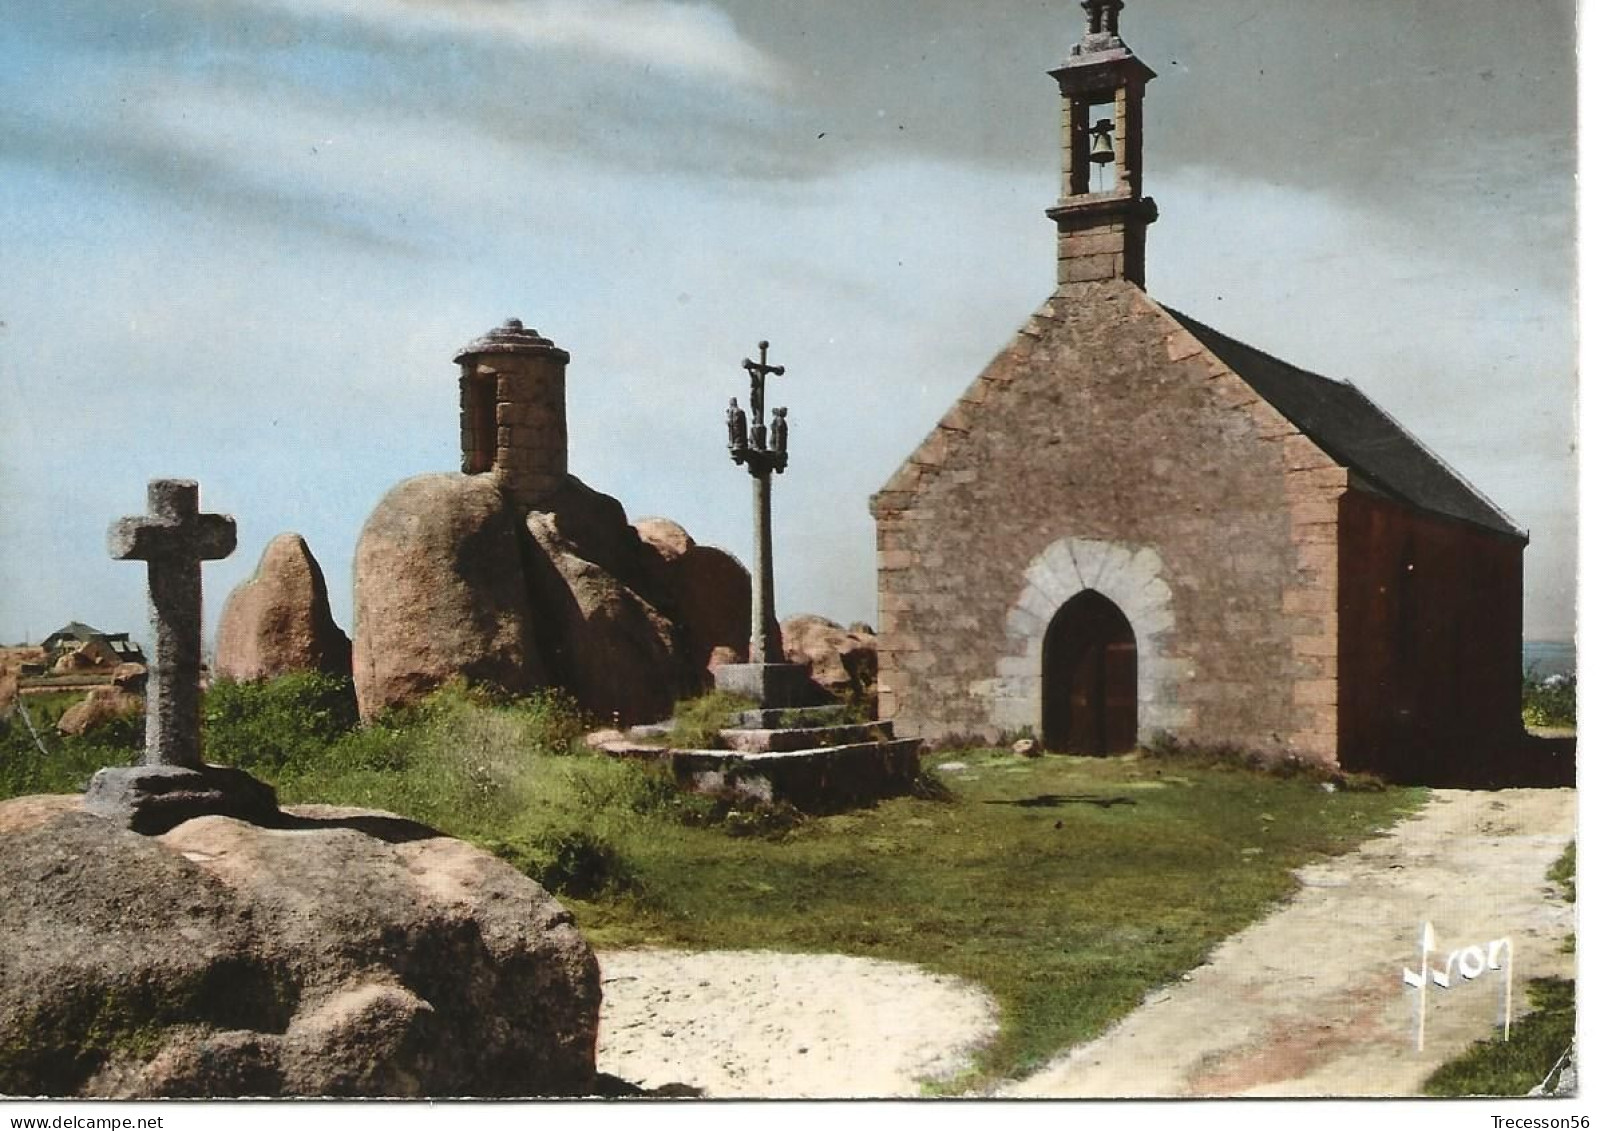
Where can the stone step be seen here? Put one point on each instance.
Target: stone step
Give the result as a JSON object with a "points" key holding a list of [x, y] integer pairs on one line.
{"points": [[825, 777], [789, 718], [752, 741], [820, 778]]}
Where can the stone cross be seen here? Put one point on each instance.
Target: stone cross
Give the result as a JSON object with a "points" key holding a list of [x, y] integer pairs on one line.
{"points": [[768, 678], [759, 372], [174, 538], [761, 459]]}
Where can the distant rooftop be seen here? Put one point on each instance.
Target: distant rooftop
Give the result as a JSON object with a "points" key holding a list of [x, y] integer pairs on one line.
{"points": [[77, 630]]}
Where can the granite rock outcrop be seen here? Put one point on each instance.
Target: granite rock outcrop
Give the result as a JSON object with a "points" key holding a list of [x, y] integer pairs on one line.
{"points": [[279, 621], [346, 953]]}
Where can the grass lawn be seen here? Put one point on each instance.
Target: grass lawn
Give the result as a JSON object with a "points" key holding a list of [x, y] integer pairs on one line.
{"points": [[46, 707], [1515, 1067], [65, 764], [1067, 887]]}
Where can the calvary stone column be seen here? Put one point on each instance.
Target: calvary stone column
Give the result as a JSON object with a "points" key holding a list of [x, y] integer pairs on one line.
{"points": [[767, 679], [173, 784]]}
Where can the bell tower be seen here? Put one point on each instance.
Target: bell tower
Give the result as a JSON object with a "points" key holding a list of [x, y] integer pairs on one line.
{"points": [[1103, 213]]}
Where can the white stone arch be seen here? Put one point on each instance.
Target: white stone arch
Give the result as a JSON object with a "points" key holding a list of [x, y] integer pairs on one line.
{"points": [[1128, 576]]}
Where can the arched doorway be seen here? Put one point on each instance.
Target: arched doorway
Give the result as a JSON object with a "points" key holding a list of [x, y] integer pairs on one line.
{"points": [[1090, 687]]}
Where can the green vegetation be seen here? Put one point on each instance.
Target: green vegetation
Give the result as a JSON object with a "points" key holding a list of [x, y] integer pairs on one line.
{"points": [[1224, 756], [853, 713], [1549, 701], [46, 709], [70, 762], [1068, 887], [279, 728], [1538, 1041], [1515, 1067], [1565, 872], [697, 723]]}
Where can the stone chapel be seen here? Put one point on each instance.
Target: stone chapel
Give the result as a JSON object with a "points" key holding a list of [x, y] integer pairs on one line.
{"points": [[1131, 524]]}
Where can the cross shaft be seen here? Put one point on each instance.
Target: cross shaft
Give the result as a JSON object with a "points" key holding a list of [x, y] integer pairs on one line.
{"points": [[174, 538]]}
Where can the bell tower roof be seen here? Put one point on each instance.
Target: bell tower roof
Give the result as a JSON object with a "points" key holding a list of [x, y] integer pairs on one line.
{"points": [[1103, 16], [1100, 58]]}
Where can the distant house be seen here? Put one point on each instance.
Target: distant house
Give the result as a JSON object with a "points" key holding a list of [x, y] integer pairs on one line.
{"points": [[83, 646]]}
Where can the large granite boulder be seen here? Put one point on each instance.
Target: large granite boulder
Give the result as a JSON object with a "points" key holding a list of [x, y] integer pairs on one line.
{"points": [[74, 662], [596, 526], [842, 661], [609, 645], [440, 592], [667, 540], [100, 706], [279, 621], [453, 579], [131, 678], [345, 954], [707, 590]]}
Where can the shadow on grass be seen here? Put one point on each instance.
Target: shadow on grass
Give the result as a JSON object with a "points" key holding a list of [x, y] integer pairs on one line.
{"points": [[1057, 800]]}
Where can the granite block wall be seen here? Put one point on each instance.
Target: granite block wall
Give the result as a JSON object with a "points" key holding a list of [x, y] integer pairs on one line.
{"points": [[1104, 448]]}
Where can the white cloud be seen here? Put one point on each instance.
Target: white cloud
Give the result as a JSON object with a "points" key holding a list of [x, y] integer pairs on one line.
{"points": [[693, 39]]}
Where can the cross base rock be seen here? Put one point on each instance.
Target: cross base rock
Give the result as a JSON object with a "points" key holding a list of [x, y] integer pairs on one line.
{"points": [[154, 799], [770, 685]]}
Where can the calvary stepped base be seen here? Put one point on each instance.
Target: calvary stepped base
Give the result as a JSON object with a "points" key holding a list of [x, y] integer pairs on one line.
{"points": [[818, 767]]}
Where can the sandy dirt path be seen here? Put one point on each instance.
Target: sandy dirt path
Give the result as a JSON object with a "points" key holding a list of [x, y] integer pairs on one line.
{"points": [[1310, 1002], [784, 1026]]}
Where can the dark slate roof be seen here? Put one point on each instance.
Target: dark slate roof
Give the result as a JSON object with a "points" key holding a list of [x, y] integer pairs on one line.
{"points": [[77, 630], [1356, 433]]}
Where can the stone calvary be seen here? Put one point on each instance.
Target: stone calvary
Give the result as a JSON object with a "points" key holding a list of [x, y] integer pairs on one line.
{"points": [[768, 678], [795, 745]]}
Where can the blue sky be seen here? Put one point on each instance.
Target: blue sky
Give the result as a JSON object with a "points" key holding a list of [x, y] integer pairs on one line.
{"points": [[243, 238]]}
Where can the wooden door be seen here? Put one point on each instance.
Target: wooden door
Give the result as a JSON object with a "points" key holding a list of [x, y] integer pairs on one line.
{"points": [[1090, 679]]}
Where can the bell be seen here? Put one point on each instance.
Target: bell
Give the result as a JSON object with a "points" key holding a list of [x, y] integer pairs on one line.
{"points": [[1101, 151]]}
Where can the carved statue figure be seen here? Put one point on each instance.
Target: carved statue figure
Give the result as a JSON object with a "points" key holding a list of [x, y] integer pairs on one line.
{"points": [[780, 430]]}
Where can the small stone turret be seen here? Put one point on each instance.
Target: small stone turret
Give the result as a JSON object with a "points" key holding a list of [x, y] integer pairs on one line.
{"points": [[514, 411]]}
